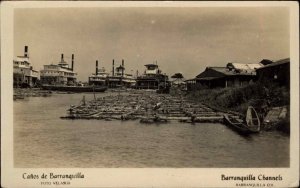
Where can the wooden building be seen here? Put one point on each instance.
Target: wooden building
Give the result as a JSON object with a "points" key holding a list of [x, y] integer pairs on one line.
{"points": [[191, 84], [233, 75], [276, 72]]}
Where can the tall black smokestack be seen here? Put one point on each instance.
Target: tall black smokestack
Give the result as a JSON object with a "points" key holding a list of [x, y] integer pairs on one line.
{"points": [[123, 67], [113, 68], [72, 62], [26, 51], [62, 57], [96, 67]]}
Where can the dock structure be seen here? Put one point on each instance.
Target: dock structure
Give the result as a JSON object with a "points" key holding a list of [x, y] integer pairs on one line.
{"points": [[148, 107]]}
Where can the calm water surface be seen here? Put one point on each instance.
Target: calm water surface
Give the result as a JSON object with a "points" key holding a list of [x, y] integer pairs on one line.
{"points": [[42, 139]]}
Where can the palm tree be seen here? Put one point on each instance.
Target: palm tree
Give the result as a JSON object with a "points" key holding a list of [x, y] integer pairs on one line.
{"points": [[178, 78]]}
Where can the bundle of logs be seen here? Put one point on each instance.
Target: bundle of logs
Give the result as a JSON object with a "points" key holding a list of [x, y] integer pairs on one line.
{"points": [[148, 107]]}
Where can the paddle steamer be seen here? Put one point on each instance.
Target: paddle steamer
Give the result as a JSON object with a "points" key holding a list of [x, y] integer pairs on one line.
{"points": [[61, 77], [119, 78], [153, 78], [99, 78]]}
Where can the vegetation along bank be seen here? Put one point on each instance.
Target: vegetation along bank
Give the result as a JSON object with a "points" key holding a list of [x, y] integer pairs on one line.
{"points": [[263, 97]]}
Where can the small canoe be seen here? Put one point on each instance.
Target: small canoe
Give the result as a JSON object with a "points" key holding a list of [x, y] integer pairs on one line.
{"points": [[237, 125], [252, 119]]}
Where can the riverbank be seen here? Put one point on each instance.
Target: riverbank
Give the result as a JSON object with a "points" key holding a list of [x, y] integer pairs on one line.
{"points": [[236, 100]]}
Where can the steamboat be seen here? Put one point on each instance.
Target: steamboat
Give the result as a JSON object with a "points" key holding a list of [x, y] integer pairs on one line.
{"points": [[119, 78], [99, 78], [153, 79], [61, 77]]}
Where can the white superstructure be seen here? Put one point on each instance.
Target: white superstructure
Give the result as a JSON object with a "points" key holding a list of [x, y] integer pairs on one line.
{"points": [[60, 74], [23, 73]]}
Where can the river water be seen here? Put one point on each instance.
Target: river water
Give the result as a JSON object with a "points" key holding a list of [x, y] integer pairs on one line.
{"points": [[42, 139]]}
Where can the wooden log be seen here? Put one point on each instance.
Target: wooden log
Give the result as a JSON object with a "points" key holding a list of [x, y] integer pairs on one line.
{"points": [[174, 118], [209, 118]]}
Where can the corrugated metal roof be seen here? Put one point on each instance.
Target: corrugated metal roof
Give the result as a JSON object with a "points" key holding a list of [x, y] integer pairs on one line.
{"points": [[248, 66], [232, 69], [227, 72]]}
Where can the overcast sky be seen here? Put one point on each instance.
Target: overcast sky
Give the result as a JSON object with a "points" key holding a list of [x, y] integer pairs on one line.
{"points": [[183, 40]]}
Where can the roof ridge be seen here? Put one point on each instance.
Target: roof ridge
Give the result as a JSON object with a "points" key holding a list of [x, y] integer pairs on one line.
{"points": [[282, 59]]}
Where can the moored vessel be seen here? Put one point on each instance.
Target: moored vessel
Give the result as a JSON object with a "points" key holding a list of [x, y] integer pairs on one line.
{"points": [[153, 78], [119, 78], [250, 125], [59, 74], [99, 78]]}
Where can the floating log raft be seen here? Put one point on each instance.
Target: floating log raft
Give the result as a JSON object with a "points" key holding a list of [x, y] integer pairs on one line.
{"points": [[148, 107]]}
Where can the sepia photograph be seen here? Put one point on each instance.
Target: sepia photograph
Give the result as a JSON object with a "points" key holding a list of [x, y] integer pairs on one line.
{"points": [[151, 87]]}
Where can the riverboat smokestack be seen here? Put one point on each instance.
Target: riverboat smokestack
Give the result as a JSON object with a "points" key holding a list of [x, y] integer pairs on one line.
{"points": [[62, 57], [72, 62], [113, 68], [26, 51], [122, 67], [96, 67]]}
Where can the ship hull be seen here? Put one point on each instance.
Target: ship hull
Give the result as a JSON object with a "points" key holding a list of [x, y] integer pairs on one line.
{"points": [[74, 88]]}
